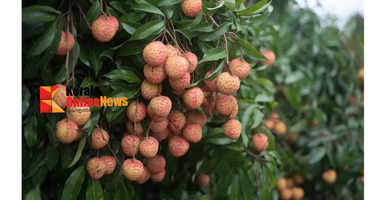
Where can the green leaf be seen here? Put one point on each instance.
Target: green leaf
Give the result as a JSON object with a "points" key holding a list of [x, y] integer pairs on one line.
{"points": [[123, 74], [148, 29], [317, 154], [73, 184], [80, 148], [213, 54], [33, 194], [167, 3], [94, 190], [30, 131], [147, 7], [91, 123], [44, 41], [223, 28], [250, 49], [35, 14], [94, 11], [258, 118], [26, 100], [255, 9], [220, 4], [244, 121]]}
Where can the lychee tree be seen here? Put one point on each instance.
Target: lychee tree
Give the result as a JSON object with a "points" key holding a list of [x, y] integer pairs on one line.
{"points": [[196, 94]]}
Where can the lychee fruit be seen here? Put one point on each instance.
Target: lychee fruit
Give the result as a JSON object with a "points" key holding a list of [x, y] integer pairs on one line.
{"points": [[232, 128], [79, 115], [329, 176], [132, 169], [172, 51], [227, 106], [203, 180], [177, 120], [176, 67], [298, 179], [181, 83], [158, 177], [66, 131], [59, 95], [159, 126], [137, 130], [193, 98], [154, 75], [136, 111], [297, 193], [130, 144], [240, 68], [150, 90], [160, 106], [149, 147], [100, 138], [281, 184], [155, 53], [110, 164], [144, 177], [274, 116], [178, 146], [196, 117], [260, 142], [156, 164], [270, 57], [191, 8], [227, 84], [66, 43], [96, 168], [161, 135], [104, 28], [211, 84], [192, 133], [192, 59], [209, 103], [270, 124], [280, 128], [286, 194]]}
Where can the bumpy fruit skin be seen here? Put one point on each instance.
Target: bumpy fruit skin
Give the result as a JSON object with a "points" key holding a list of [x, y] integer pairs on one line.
{"points": [[66, 131], [192, 133], [176, 67], [155, 53], [157, 127], [158, 177], [191, 8], [162, 135], [192, 59], [211, 84], [177, 120], [209, 103], [79, 115], [239, 67], [260, 142], [172, 51], [138, 130], [270, 57], [203, 180], [150, 90], [297, 193], [130, 144], [60, 96], [178, 146], [132, 169], [144, 177], [227, 106], [193, 98], [96, 168], [227, 84], [104, 28], [286, 194], [154, 75], [136, 111], [329, 176], [181, 83], [232, 128], [66, 43], [100, 138], [149, 147], [156, 164], [196, 117], [281, 184], [160, 106], [110, 164], [280, 128], [270, 124]]}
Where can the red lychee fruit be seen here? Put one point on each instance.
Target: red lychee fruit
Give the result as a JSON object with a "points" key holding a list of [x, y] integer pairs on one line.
{"points": [[227, 106], [196, 117], [227, 84], [104, 28], [240, 68], [192, 133], [79, 115], [280, 128], [193, 98], [203, 180], [59, 96], [150, 90], [160, 106], [154, 75], [181, 83], [329, 176], [297, 193], [132, 169], [177, 120], [172, 51], [270, 57], [176, 67], [232, 128], [158, 177], [130, 144], [144, 177], [191, 8], [281, 184], [161, 135], [155, 53], [138, 130], [66, 131], [110, 164], [100, 138], [159, 126], [136, 111], [192, 59], [260, 142], [211, 84], [178, 146], [155, 118], [270, 124], [66, 43], [156, 164], [149, 147], [286, 194], [96, 168]]}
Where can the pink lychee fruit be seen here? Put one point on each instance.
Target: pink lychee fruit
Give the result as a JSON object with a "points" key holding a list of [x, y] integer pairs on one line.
{"points": [[192, 133], [191, 8], [96, 168], [66, 131], [227, 84], [132, 169], [239, 67], [104, 28], [177, 120], [232, 129], [176, 67], [154, 75], [156, 164], [193, 98], [211, 84], [66, 43], [181, 83], [99, 138], [79, 115], [260, 142], [178, 146], [192, 59], [149, 147], [160, 106], [155, 53], [227, 106], [110, 164], [196, 117], [130, 144], [136, 111]]}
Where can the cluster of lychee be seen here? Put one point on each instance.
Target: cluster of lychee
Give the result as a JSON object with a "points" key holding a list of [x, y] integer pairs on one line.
{"points": [[275, 124], [288, 188]]}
